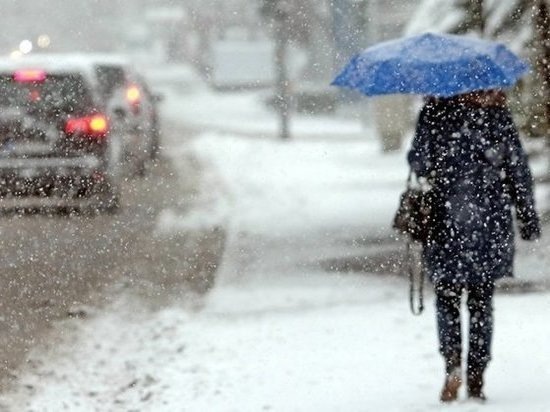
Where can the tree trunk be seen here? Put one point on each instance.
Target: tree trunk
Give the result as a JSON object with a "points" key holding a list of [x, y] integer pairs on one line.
{"points": [[541, 23], [393, 118], [542, 27], [474, 17], [282, 81], [477, 16]]}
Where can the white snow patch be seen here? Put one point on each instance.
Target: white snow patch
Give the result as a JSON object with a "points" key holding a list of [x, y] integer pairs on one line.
{"points": [[281, 188], [245, 113], [318, 342]]}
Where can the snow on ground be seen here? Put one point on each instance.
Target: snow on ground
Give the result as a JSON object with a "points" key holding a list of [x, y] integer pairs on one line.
{"points": [[320, 343], [245, 113], [277, 332], [278, 188]]}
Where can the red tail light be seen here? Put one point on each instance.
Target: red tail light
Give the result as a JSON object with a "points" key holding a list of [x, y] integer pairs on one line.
{"points": [[29, 75], [133, 97], [95, 125], [133, 94]]}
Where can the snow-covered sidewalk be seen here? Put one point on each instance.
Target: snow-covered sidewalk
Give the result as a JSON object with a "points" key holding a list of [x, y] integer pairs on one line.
{"points": [[300, 342], [278, 332], [245, 113]]}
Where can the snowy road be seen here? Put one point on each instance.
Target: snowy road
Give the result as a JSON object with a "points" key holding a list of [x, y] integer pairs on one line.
{"points": [[58, 266]]}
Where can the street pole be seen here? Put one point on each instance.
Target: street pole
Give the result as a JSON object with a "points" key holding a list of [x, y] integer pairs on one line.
{"points": [[279, 12], [282, 81]]}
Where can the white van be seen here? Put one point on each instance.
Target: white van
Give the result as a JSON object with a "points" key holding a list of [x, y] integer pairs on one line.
{"points": [[242, 63]]}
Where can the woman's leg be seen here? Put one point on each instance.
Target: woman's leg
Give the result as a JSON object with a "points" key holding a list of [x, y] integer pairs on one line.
{"points": [[448, 300], [480, 306]]}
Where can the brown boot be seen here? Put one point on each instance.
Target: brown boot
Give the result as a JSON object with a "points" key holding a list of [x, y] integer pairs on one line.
{"points": [[475, 386], [453, 380]]}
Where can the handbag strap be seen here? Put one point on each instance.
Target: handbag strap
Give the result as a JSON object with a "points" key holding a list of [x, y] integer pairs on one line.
{"points": [[416, 305], [409, 178]]}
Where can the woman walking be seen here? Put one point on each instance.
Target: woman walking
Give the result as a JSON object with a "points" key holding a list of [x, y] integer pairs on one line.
{"points": [[468, 150]]}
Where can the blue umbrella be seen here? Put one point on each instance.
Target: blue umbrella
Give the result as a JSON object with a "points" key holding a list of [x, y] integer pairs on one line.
{"points": [[432, 64]]}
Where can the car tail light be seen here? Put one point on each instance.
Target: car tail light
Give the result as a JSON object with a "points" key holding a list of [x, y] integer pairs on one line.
{"points": [[133, 97], [29, 75], [133, 94], [95, 125], [98, 124]]}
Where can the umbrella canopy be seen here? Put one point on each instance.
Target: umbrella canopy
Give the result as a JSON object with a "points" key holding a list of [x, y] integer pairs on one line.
{"points": [[432, 64]]}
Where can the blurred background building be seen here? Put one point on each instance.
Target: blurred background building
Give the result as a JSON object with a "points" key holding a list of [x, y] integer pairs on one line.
{"points": [[230, 42], [328, 31]]}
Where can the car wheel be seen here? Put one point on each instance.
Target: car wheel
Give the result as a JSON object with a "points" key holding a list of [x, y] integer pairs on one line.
{"points": [[103, 198], [143, 155], [155, 142], [141, 168], [107, 195], [110, 200]]}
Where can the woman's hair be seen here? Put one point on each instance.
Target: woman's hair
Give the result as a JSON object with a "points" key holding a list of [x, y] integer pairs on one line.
{"points": [[486, 98], [479, 98]]}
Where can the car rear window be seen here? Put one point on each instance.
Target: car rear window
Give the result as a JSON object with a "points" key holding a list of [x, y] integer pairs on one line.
{"points": [[110, 79], [59, 93]]}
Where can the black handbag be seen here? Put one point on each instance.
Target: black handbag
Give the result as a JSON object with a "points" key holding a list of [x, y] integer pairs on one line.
{"points": [[413, 216]]}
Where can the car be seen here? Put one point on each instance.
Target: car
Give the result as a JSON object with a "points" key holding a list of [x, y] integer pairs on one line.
{"points": [[130, 103], [142, 104], [57, 145]]}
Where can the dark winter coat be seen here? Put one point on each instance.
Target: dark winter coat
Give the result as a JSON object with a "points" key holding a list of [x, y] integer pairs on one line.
{"points": [[473, 159]]}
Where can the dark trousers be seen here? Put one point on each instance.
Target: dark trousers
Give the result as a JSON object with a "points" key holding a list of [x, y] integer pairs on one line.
{"points": [[480, 308]]}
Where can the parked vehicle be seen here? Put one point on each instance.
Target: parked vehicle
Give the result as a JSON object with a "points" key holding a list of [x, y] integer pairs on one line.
{"points": [[143, 106], [237, 63], [57, 145], [131, 105]]}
